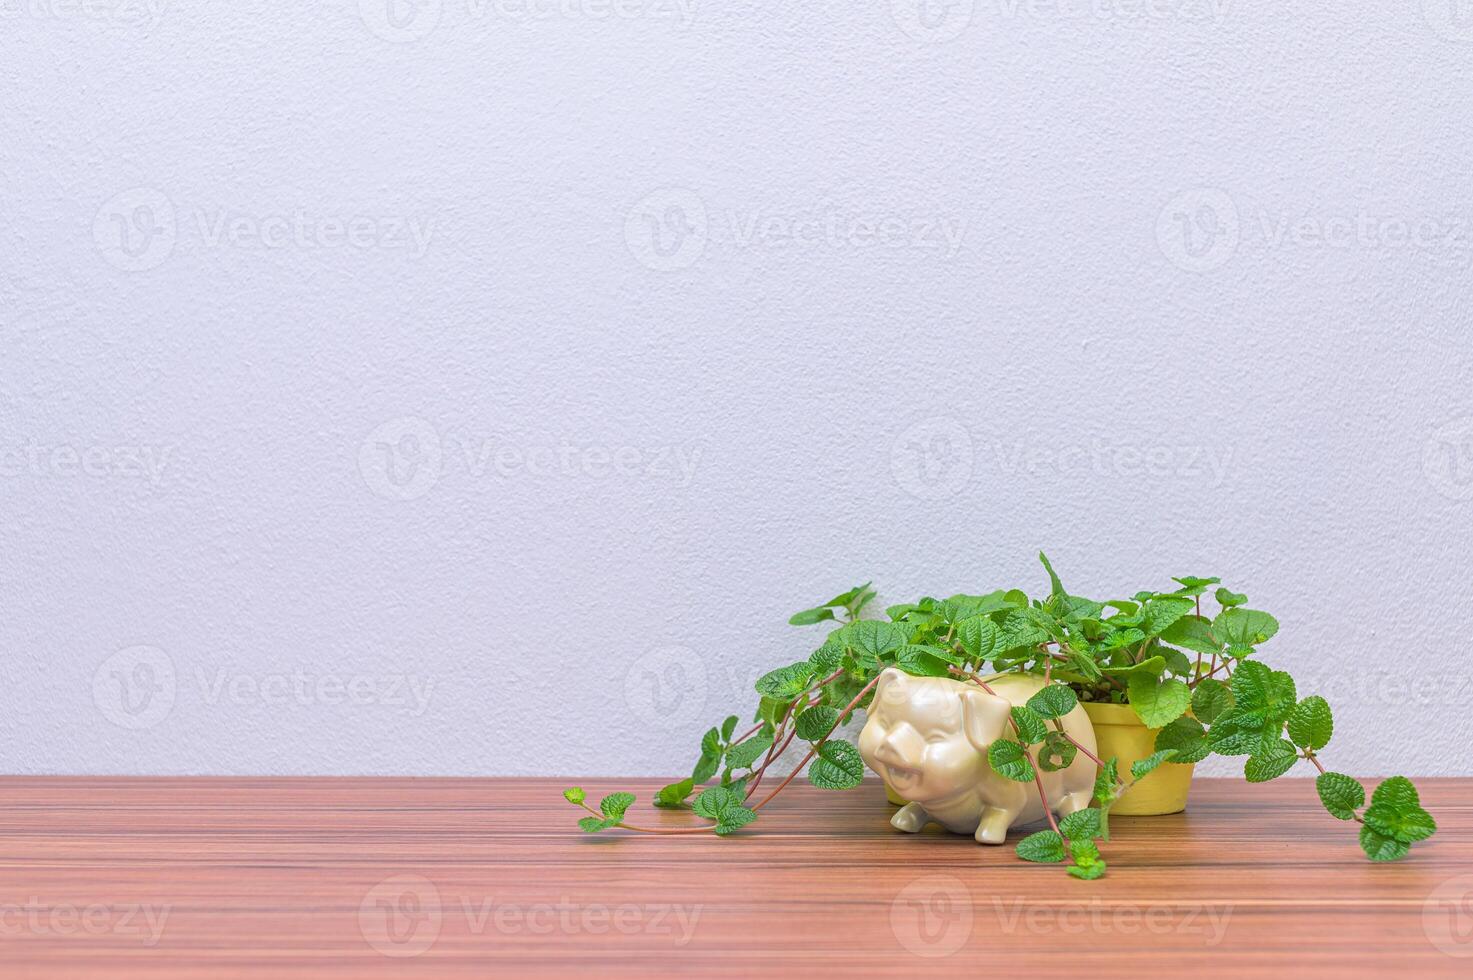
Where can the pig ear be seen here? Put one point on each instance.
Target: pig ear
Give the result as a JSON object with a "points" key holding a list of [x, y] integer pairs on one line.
{"points": [[892, 685], [983, 717]]}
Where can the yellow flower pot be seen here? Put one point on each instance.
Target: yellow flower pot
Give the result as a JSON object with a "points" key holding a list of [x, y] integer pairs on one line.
{"points": [[1121, 734]]}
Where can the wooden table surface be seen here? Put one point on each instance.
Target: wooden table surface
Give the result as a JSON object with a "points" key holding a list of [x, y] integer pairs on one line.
{"points": [[485, 877]]}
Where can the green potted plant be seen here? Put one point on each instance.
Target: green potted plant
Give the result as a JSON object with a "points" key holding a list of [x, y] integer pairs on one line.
{"points": [[1165, 684]]}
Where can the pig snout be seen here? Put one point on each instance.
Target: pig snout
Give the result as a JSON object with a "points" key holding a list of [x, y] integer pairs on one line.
{"points": [[902, 747]]}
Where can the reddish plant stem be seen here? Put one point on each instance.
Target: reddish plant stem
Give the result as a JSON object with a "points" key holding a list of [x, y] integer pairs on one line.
{"points": [[816, 745], [1037, 779], [652, 830], [771, 757], [1094, 758]]}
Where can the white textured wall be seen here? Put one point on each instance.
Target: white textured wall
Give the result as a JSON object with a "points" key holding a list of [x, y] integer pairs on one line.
{"points": [[487, 363]]}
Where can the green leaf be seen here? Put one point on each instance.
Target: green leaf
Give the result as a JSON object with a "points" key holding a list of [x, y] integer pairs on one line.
{"points": [[733, 819], [574, 795], [727, 727], [1194, 633], [1030, 726], [1237, 734], [1056, 753], [847, 598], [672, 797], [874, 641], [1261, 694], [1088, 864], [615, 804], [1193, 585], [838, 766], [593, 825], [1397, 792], [1053, 701], [922, 661], [1245, 626], [1396, 812], [711, 743], [1009, 760], [744, 755], [1081, 824], [1105, 780], [785, 683], [817, 722], [1210, 700], [1273, 758], [714, 800], [1379, 847], [1340, 794], [979, 637], [1161, 613], [856, 596], [705, 768], [810, 616], [1310, 723], [1228, 599], [1057, 586], [829, 657], [1144, 767], [772, 710], [1019, 631], [1177, 662], [1158, 704], [1150, 667], [1044, 847], [1187, 738]]}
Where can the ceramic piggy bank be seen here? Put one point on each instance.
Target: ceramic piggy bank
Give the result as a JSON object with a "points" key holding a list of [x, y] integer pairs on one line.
{"points": [[927, 737]]}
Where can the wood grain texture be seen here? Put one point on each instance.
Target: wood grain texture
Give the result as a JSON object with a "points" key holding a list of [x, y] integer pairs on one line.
{"points": [[484, 877]]}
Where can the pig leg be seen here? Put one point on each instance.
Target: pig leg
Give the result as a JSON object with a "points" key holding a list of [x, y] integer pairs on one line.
{"points": [[1075, 801], [993, 827], [910, 818]]}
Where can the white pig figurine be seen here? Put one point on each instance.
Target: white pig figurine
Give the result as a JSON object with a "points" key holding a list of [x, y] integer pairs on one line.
{"points": [[927, 737]]}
